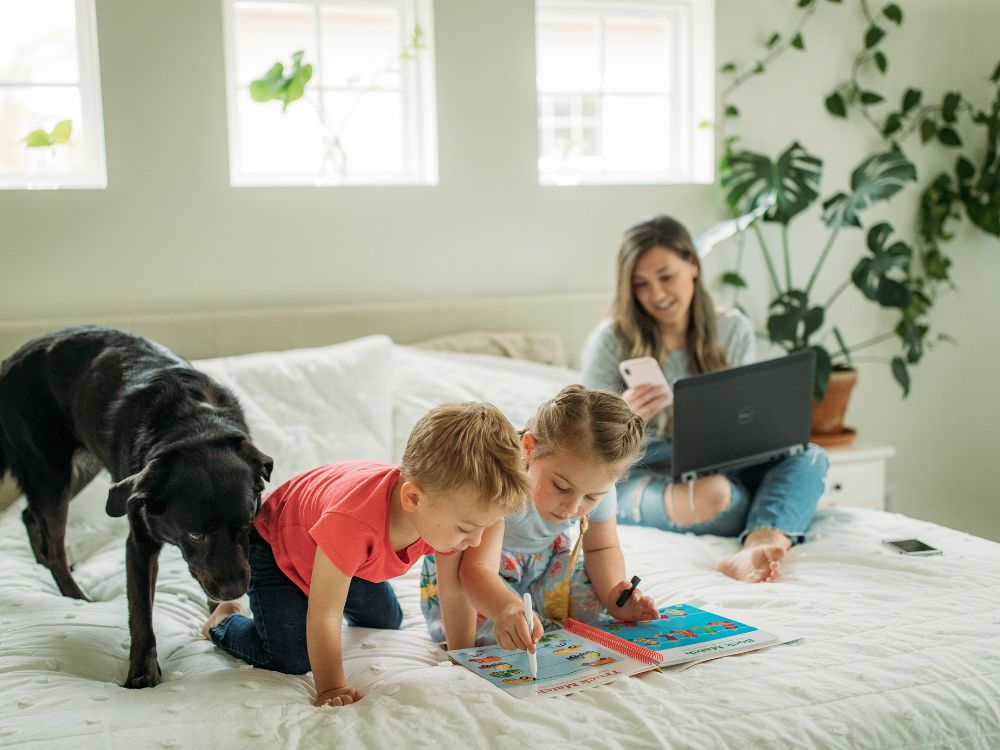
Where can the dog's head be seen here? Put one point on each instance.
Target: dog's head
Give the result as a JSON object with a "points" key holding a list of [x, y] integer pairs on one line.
{"points": [[202, 497]]}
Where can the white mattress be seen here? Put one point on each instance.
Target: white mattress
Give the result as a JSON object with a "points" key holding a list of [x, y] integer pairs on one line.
{"points": [[895, 651]]}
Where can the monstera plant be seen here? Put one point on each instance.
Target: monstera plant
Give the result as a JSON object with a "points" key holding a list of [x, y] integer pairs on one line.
{"points": [[888, 272]]}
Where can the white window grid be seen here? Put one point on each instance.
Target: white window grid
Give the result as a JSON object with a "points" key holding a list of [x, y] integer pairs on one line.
{"points": [[418, 100], [571, 142], [88, 132]]}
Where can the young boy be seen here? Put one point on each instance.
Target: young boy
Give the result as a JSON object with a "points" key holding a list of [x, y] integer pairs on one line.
{"points": [[326, 542]]}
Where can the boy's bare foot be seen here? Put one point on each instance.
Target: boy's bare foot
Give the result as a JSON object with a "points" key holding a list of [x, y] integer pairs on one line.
{"points": [[222, 611], [760, 559]]}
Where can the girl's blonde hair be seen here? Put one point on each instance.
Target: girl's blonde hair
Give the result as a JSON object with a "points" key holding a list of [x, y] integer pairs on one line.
{"points": [[470, 446], [634, 327], [590, 423]]}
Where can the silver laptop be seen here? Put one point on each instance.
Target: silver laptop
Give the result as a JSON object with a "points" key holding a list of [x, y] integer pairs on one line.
{"points": [[742, 416]]}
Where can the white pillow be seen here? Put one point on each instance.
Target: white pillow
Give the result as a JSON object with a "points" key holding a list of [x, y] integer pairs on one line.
{"points": [[424, 379], [307, 407]]}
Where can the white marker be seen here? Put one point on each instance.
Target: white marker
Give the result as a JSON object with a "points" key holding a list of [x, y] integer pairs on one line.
{"points": [[532, 657]]}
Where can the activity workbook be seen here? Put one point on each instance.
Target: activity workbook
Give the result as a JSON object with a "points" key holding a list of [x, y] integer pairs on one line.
{"points": [[579, 655]]}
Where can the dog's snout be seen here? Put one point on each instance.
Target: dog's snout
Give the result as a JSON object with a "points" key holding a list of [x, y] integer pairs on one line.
{"points": [[224, 589]]}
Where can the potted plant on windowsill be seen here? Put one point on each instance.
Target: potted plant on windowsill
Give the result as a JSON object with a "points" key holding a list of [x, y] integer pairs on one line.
{"points": [[768, 194]]}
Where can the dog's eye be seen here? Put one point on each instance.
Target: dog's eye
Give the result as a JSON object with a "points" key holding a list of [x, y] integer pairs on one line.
{"points": [[196, 536]]}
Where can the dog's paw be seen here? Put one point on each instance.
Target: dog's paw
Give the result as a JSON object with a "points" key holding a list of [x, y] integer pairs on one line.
{"points": [[149, 678]]}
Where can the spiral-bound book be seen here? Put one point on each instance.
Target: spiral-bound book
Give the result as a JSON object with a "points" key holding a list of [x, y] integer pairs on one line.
{"points": [[579, 655]]}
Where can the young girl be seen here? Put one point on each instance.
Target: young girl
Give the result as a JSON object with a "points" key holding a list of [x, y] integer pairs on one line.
{"points": [[662, 309], [575, 448]]}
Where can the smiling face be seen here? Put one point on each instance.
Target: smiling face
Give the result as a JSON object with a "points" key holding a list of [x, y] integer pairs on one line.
{"points": [[663, 285], [566, 485]]}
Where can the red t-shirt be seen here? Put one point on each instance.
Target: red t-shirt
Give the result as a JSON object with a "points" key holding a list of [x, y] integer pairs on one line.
{"points": [[343, 508]]}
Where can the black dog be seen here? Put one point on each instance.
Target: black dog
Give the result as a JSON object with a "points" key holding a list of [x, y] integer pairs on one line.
{"points": [[176, 445]]}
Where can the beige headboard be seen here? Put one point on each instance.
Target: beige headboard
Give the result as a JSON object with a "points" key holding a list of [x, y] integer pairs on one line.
{"points": [[224, 333]]}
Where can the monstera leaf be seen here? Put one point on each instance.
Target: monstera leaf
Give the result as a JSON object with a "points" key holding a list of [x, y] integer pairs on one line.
{"points": [[789, 185], [872, 274], [285, 88], [878, 178], [792, 321]]}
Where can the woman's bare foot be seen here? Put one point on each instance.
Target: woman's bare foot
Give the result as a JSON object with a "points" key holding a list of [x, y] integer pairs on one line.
{"points": [[222, 611], [760, 559]]}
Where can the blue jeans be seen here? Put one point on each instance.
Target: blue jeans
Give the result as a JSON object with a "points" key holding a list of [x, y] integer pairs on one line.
{"points": [[275, 637], [780, 494]]}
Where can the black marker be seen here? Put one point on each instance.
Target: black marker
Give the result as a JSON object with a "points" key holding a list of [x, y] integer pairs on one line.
{"points": [[624, 596]]}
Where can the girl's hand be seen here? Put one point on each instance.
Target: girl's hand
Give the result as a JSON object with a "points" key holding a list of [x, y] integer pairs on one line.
{"points": [[341, 696], [512, 629], [646, 400], [638, 607]]}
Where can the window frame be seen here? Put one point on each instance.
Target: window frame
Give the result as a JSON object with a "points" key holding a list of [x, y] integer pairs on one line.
{"points": [[418, 102], [94, 173], [692, 91]]}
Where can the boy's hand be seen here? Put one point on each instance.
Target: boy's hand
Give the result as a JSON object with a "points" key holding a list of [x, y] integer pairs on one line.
{"points": [[340, 696], [638, 607], [512, 629]]}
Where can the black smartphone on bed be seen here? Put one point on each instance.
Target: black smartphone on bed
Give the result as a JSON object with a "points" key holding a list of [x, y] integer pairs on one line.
{"points": [[911, 547]]}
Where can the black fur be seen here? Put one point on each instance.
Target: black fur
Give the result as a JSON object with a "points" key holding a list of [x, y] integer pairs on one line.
{"points": [[174, 441]]}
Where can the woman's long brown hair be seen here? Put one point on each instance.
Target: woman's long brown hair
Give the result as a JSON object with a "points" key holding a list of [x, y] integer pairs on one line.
{"points": [[634, 327]]}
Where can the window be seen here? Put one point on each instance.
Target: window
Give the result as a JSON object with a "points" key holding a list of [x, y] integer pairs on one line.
{"points": [[51, 129], [366, 113], [625, 91]]}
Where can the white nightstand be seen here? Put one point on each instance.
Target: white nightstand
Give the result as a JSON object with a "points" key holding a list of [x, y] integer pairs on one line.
{"points": [[856, 476]]}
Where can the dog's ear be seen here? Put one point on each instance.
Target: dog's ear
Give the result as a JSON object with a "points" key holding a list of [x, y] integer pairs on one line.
{"points": [[132, 490], [261, 463]]}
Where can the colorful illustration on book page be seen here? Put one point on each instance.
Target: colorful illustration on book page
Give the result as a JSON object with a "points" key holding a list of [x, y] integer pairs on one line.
{"points": [[565, 663], [679, 625]]}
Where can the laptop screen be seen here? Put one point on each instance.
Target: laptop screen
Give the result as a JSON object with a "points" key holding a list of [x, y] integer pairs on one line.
{"points": [[742, 416]]}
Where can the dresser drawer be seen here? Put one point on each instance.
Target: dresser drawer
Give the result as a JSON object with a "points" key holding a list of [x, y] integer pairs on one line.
{"points": [[859, 483]]}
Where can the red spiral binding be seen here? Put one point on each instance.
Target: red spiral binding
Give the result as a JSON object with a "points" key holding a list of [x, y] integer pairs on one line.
{"points": [[609, 640]]}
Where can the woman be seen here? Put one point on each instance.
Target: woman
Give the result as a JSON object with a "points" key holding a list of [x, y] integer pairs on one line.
{"points": [[661, 309]]}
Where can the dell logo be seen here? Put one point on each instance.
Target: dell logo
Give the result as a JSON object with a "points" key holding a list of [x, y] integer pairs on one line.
{"points": [[745, 415]]}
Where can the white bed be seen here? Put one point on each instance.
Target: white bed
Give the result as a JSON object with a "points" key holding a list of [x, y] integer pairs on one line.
{"points": [[894, 652]]}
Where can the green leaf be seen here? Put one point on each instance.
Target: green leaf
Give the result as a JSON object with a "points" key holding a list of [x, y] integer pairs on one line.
{"points": [[881, 62], [871, 97], [949, 137], [798, 42], [275, 85], [804, 3], [62, 131], [893, 12], [728, 68], [732, 111], [732, 278], [773, 40], [788, 186], [911, 99], [873, 36], [928, 129], [758, 69], [880, 276], [876, 179], [821, 377], [964, 169], [901, 375], [995, 78], [835, 105], [949, 106], [893, 124], [38, 139]]}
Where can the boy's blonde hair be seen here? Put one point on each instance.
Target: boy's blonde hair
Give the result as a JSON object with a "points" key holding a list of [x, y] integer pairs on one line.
{"points": [[469, 446], [591, 423]]}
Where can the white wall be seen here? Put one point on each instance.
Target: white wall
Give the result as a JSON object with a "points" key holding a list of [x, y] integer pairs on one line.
{"points": [[169, 234]]}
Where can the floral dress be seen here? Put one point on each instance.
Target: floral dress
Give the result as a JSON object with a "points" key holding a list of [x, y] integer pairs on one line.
{"points": [[543, 573]]}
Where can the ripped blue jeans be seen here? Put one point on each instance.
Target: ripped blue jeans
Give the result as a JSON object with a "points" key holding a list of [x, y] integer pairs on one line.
{"points": [[780, 494]]}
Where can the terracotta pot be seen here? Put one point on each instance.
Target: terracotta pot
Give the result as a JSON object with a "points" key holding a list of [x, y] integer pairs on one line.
{"points": [[828, 414]]}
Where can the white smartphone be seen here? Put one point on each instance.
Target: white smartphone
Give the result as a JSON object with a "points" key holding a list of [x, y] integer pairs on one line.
{"points": [[911, 547], [644, 371]]}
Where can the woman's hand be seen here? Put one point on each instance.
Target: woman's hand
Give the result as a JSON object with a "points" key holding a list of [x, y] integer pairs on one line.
{"points": [[512, 629], [646, 400], [639, 607], [339, 696]]}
